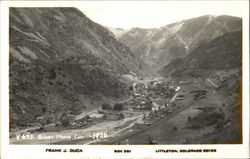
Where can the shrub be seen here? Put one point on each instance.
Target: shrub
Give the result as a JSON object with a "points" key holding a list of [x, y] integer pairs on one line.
{"points": [[44, 110], [52, 74], [195, 126], [106, 106], [148, 105], [130, 88], [59, 83], [104, 116], [173, 104], [122, 116], [118, 106], [175, 128], [65, 121], [70, 82], [48, 120]]}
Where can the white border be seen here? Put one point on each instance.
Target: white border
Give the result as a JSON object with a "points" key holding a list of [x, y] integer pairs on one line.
{"points": [[24, 151]]}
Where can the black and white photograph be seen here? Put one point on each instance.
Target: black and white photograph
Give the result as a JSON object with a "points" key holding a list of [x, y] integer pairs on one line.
{"points": [[125, 75], [124, 79]]}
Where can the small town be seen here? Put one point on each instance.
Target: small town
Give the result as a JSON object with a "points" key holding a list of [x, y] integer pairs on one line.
{"points": [[154, 100]]}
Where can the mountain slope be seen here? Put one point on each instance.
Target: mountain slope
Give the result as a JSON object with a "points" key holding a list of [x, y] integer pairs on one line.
{"points": [[66, 32], [222, 53], [116, 32], [62, 62], [158, 47]]}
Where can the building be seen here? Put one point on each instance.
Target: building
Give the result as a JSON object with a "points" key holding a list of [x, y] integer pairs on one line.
{"points": [[96, 116]]}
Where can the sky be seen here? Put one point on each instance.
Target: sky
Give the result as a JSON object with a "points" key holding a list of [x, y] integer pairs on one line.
{"points": [[154, 14]]}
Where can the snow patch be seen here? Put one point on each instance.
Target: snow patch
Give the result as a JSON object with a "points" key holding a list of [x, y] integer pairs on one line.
{"points": [[18, 55], [27, 19], [149, 34], [176, 27], [37, 39], [28, 52], [59, 18], [41, 36], [116, 32]]}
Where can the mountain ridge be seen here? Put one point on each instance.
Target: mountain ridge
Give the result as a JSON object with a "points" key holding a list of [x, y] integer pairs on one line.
{"points": [[160, 46]]}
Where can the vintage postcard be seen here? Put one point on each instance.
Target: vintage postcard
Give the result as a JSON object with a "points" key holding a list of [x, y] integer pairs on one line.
{"points": [[124, 79]]}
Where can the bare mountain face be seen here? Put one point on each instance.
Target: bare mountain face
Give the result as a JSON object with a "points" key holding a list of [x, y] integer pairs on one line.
{"points": [[61, 61], [116, 32], [222, 53], [158, 47]]}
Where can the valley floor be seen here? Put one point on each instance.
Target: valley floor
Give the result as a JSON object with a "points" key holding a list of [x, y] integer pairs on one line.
{"points": [[201, 116]]}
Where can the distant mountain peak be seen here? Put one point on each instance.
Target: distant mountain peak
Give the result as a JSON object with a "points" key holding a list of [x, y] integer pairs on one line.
{"points": [[116, 31], [159, 46]]}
